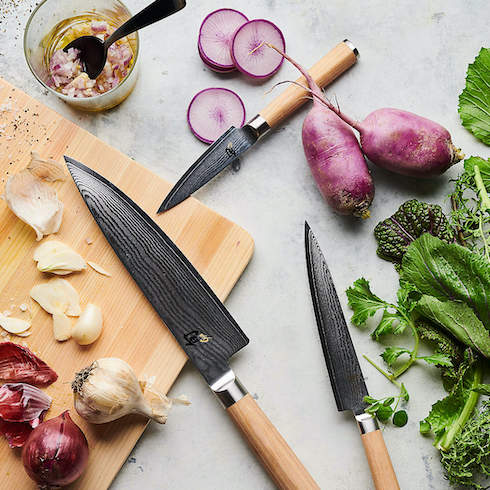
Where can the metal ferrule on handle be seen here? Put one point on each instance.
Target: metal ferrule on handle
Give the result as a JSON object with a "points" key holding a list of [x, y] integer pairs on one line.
{"points": [[228, 389], [366, 423]]}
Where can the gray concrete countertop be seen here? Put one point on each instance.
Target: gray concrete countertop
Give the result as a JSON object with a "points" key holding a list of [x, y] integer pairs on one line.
{"points": [[414, 56]]}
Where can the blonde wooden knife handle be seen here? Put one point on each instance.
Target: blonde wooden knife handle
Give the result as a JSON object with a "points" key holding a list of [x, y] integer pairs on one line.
{"points": [[278, 458], [379, 461], [333, 64]]}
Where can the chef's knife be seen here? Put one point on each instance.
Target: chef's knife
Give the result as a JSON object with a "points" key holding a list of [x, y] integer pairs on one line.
{"points": [[235, 141], [343, 367], [189, 308]]}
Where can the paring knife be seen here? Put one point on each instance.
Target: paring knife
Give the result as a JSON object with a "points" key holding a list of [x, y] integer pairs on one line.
{"points": [[192, 312], [234, 142], [343, 367]]}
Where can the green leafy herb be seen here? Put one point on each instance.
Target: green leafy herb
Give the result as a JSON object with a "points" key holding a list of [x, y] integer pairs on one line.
{"points": [[391, 354], [448, 272], [450, 414], [400, 418], [458, 319], [470, 202], [437, 360], [483, 389], [413, 218], [468, 459], [474, 101]]}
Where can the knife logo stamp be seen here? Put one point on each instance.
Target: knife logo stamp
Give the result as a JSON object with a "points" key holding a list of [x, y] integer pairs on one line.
{"points": [[195, 337]]}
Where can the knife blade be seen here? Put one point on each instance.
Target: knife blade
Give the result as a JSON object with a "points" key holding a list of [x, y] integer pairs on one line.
{"points": [[236, 141], [343, 367], [201, 324]]}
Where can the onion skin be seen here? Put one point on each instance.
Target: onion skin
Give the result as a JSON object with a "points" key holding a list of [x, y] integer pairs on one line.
{"points": [[56, 452], [406, 143], [337, 163]]}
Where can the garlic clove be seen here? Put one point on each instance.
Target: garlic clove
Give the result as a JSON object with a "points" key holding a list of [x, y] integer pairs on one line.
{"points": [[34, 202], [61, 327], [57, 296], [14, 325], [97, 268], [62, 263], [49, 247], [88, 327]]}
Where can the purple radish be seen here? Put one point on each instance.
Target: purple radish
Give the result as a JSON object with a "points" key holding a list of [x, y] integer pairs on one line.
{"points": [[405, 143], [212, 111], [334, 155], [214, 67], [216, 35], [249, 53]]}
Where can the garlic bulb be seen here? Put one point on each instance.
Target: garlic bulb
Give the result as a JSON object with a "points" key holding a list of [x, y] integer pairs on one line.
{"points": [[89, 325], [56, 257], [108, 389]]}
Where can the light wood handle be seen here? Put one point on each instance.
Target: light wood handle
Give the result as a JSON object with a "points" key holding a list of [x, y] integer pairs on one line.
{"points": [[333, 64], [379, 461], [278, 458]]}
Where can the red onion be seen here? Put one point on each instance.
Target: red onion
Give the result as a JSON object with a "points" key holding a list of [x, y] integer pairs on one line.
{"points": [[56, 452], [20, 402]]}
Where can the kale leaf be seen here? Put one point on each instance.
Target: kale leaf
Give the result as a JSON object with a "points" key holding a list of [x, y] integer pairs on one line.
{"points": [[413, 218], [474, 100]]}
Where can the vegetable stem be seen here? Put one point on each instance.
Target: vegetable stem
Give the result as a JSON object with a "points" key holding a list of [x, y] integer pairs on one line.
{"points": [[388, 376], [454, 429], [485, 200], [413, 354]]}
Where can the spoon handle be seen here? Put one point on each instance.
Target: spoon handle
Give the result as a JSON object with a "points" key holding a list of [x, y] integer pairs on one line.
{"points": [[156, 11]]}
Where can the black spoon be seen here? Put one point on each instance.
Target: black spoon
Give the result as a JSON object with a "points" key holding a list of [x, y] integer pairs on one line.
{"points": [[93, 51]]}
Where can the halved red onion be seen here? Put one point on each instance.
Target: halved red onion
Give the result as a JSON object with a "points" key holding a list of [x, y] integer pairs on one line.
{"points": [[20, 402], [19, 364], [212, 111], [263, 62], [215, 37]]}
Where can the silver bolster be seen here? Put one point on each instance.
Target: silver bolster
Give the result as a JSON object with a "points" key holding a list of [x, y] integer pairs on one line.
{"points": [[259, 125], [351, 46], [228, 389], [367, 423]]}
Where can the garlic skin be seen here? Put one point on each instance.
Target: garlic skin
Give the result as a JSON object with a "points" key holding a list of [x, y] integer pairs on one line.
{"points": [[34, 202], [57, 258], [89, 325], [108, 390], [48, 170], [57, 296]]}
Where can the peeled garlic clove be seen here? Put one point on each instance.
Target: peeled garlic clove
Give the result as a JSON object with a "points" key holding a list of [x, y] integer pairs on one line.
{"points": [[57, 296], [48, 170], [60, 262], [34, 202], [89, 326], [13, 325], [49, 247], [61, 327]]}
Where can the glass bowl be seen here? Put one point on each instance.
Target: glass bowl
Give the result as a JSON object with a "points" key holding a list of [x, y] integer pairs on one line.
{"points": [[45, 28]]}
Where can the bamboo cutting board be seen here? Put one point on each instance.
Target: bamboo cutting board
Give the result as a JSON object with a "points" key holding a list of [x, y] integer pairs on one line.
{"points": [[218, 248]]}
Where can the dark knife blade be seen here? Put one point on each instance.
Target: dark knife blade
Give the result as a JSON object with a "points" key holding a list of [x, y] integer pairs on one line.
{"points": [[223, 152], [187, 305], [340, 356]]}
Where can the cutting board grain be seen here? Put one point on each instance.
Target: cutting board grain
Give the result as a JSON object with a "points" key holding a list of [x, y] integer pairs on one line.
{"points": [[218, 248]]}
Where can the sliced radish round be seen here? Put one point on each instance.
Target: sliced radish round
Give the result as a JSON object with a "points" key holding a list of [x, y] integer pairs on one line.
{"points": [[212, 66], [215, 37], [263, 62], [212, 111]]}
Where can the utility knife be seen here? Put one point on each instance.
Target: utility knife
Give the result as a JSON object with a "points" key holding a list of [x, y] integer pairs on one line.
{"points": [[192, 312], [236, 141], [343, 367]]}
